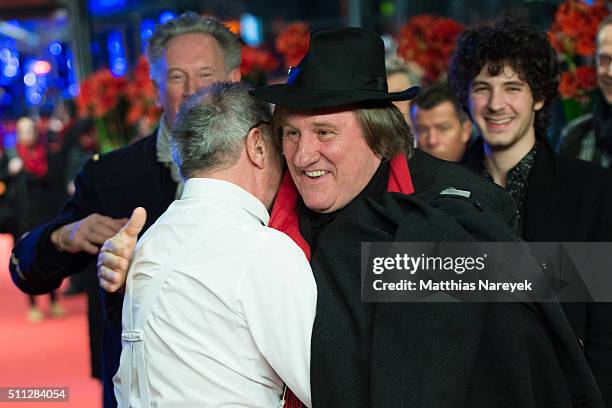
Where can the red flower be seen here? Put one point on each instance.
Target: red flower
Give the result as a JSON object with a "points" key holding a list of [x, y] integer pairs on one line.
{"points": [[429, 41], [575, 26], [118, 103], [567, 86], [293, 43], [141, 94], [100, 93], [586, 78], [255, 59]]}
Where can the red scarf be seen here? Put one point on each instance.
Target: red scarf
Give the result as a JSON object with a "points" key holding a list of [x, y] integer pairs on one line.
{"points": [[34, 159], [284, 218]]}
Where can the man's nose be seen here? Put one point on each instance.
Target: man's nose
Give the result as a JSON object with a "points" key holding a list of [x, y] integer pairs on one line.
{"points": [[433, 139], [191, 86], [496, 100], [307, 151]]}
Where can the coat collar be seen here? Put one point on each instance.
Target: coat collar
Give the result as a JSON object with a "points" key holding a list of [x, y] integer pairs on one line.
{"points": [[542, 188], [543, 193]]}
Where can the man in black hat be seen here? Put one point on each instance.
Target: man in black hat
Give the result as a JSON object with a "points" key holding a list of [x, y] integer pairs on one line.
{"points": [[355, 177]]}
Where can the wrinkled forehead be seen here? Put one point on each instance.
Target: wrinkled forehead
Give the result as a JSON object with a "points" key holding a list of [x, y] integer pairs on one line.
{"points": [[339, 116], [604, 39]]}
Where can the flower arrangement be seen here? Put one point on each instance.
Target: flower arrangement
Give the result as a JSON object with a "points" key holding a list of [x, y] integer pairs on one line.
{"points": [[573, 37], [118, 104], [293, 43], [429, 41], [141, 95], [256, 64]]}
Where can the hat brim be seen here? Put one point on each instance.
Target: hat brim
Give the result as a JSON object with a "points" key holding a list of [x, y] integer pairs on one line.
{"points": [[300, 97]]}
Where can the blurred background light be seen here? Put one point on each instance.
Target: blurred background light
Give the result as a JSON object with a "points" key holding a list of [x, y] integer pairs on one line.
{"points": [[166, 16], [251, 30]]}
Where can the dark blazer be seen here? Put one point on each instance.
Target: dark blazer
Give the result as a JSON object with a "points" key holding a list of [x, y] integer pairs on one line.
{"points": [[112, 184], [570, 200]]}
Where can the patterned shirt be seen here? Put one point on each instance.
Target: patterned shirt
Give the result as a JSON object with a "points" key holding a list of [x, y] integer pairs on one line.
{"points": [[517, 181]]}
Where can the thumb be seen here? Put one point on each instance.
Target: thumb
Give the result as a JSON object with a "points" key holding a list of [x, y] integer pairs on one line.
{"points": [[135, 223]]}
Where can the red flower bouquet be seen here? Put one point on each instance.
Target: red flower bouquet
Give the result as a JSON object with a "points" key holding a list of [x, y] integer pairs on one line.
{"points": [[118, 104], [573, 37], [293, 43], [256, 64], [429, 41]]}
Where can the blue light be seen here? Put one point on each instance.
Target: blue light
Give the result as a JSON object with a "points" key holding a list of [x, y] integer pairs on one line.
{"points": [[116, 54], [73, 89], [145, 34], [10, 71], [9, 66], [55, 48], [34, 98], [250, 29], [114, 47], [166, 16], [105, 6], [146, 29], [29, 79], [119, 67]]}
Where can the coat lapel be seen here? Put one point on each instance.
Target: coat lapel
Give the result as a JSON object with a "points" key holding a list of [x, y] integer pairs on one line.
{"points": [[543, 195]]}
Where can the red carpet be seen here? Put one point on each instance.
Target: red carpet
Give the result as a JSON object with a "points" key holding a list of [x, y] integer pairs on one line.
{"points": [[53, 353]]}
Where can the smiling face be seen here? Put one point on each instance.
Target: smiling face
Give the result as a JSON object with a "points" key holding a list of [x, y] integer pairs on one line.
{"points": [[604, 62], [503, 108], [192, 61], [328, 157]]}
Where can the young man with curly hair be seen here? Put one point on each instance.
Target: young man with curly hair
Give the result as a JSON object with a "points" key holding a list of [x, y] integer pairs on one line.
{"points": [[506, 77]]}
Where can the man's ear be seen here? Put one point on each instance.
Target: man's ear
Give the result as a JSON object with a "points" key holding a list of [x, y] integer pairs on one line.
{"points": [[234, 75], [157, 93], [466, 130], [256, 148], [538, 105]]}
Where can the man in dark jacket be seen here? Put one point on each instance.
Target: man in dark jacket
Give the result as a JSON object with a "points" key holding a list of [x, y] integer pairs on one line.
{"points": [[589, 137], [506, 76], [184, 54], [353, 176]]}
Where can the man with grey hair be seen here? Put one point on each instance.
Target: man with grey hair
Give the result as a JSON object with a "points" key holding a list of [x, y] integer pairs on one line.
{"points": [[218, 307], [589, 137], [402, 75], [185, 54]]}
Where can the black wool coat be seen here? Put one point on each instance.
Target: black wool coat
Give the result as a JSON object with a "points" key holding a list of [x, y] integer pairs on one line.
{"points": [[430, 355], [570, 200], [433, 354]]}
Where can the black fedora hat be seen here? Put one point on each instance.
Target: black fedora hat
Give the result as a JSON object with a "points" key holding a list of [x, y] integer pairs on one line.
{"points": [[342, 67]]}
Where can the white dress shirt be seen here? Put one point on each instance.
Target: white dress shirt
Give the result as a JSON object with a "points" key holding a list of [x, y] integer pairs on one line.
{"points": [[218, 309]]}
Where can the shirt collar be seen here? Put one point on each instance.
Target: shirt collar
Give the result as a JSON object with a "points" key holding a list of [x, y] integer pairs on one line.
{"points": [[164, 151], [231, 193]]}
